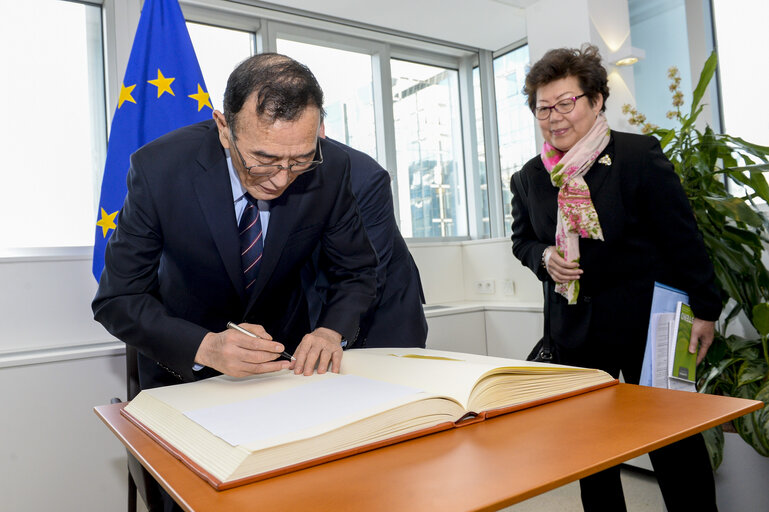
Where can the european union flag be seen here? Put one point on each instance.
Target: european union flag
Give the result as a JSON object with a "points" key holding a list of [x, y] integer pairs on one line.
{"points": [[163, 89]]}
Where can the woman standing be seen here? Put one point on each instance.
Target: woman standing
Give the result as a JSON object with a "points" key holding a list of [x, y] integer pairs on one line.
{"points": [[599, 216]]}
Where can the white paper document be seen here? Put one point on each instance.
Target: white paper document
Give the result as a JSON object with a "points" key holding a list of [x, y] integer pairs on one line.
{"points": [[661, 355], [246, 421]]}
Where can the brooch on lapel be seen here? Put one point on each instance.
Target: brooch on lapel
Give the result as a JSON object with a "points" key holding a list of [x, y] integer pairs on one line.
{"points": [[605, 160]]}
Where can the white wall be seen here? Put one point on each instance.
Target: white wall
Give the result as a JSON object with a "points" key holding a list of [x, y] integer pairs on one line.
{"points": [[604, 23], [46, 302], [55, 453], [451, 271]]}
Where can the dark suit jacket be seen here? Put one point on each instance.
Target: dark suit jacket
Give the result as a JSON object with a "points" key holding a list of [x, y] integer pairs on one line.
{"points": [[650, 235], [172, 268], [396, 318]]}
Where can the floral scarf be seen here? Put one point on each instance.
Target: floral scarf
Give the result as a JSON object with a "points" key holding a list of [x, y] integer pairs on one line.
{"points": [[577, 217]]}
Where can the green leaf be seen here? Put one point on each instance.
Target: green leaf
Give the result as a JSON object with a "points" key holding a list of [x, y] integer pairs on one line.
{"points": [[753, 177], [752, 427], [744, 237], [754, 149], [689, 122], [714, 440], [738, 344], [761, 418], [761, 318], [755, 169], [707, 74], [717, 375], [735, 208], [751, 371], [666, 137]]}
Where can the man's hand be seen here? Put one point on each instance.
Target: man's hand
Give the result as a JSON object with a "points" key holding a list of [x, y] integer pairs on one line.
{"points": [[321, 347], [702, 335], [239, 355], [560, 270]]}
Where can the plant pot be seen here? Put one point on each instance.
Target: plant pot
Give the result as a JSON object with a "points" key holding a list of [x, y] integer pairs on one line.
{"points": [[742, 477]]}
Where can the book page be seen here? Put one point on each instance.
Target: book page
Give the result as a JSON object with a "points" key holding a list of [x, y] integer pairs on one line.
{"points": [[661, 349], [330, 402], [443, 373], [681, 384]]}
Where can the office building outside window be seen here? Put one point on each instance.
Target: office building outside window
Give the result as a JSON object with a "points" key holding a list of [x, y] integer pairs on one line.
{"points": [[515, 121], [485, 230], [428, 143], [348, 96]]}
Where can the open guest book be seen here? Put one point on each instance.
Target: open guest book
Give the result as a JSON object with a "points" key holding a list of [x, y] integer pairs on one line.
{"points": [[234, 431]]}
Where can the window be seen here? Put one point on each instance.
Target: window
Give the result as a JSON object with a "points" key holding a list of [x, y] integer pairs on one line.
{"points": [[219, 51], [742, 67], [53, 144], [348, 96], [482, 177], [429, 150], [515, 123]]}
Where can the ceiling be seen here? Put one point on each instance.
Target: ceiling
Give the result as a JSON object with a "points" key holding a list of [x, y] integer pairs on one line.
{"points": [[485, 24]]}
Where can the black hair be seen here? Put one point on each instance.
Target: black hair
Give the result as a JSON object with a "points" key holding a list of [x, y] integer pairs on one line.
{"points": [[583, 63], [284, 88]]}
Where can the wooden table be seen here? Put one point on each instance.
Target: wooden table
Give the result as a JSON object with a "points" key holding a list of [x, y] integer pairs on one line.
{"points": [[485, 466]]}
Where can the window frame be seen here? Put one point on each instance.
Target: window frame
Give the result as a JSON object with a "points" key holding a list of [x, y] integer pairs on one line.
{"points": [[382, 52], [120, 19]]}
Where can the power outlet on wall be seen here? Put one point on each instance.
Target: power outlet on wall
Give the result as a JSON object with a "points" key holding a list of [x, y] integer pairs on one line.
{"points": [[508, 287], [484, 287]]}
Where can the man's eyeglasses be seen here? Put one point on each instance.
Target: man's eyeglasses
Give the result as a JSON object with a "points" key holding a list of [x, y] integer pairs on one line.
{"points": [[270, 170], [562, 107]]}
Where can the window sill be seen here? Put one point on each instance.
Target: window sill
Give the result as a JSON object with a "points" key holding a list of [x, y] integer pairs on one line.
{"points": [[27, 254]]}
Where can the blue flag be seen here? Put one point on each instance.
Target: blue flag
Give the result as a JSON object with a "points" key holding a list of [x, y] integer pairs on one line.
{"points": [[163, 89]]}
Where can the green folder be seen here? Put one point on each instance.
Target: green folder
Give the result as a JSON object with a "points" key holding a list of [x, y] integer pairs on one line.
{"points": [[684, 362]]}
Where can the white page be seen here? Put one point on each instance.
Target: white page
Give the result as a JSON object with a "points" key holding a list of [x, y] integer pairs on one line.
{"points": [[673, 339], [681, 384], [661, 343], [444, 373], [296, 409]]}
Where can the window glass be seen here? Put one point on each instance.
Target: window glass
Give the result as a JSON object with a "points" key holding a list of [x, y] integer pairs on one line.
{"points": [[742, 42], [347, 84], [428, 142], [485, 230], [219, 51], [515, 122], [53, 143]]}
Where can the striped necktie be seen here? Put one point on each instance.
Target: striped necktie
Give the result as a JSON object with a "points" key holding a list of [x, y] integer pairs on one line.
{"points": [[251, 242]]}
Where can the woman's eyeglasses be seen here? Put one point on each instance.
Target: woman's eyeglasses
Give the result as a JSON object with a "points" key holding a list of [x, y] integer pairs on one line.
{"points": [[562, 107]]}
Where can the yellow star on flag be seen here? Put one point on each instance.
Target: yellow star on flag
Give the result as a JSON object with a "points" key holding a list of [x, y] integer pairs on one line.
{"points": [[202, 98], [163, 84], [125, 95], [106, 222]]}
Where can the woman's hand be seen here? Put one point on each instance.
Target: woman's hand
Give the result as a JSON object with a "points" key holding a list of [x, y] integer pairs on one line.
{"points": [[560, 270], [703, 332]]}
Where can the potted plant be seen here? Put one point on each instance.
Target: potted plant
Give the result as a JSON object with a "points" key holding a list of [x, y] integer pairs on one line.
{"points": [[723, 177]]}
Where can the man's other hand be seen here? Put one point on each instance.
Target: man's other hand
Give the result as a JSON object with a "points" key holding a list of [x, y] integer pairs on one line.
{"points": [[319, 348]]}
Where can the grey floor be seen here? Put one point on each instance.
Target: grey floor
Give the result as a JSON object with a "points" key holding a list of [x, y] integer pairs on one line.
{"points": [[642, 494]]}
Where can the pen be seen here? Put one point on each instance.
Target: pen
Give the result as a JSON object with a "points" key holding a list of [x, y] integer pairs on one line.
{"points": [[233, 325]]}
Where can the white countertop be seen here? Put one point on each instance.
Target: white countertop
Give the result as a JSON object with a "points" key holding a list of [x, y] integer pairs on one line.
{"points": [[452, 308]]}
